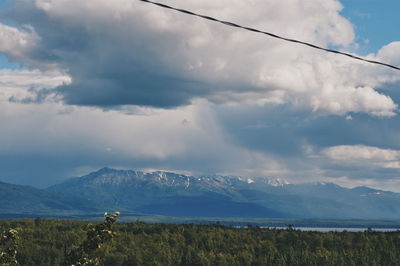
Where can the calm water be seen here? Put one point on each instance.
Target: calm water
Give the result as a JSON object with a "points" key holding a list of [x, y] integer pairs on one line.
{"points": [[339, 229]]}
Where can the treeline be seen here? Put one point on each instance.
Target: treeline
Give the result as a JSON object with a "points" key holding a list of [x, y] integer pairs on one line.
{"points": [[47, 242]]}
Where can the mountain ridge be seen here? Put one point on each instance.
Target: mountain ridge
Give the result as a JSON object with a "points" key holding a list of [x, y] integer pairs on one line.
{"points": [[169, 193], [174, 194]]}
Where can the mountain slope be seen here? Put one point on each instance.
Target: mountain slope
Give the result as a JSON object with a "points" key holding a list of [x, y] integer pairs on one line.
{"points": [[18, 199], [174, 194]]}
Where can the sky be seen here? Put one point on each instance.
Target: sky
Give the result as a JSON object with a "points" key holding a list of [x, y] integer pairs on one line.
{"points": [[125, 84]]}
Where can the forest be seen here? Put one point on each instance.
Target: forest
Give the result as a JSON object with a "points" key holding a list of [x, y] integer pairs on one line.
{"points": [[52, 241]]}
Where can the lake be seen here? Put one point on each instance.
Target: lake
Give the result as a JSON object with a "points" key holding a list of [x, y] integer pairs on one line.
{"points": [[338, 229]]}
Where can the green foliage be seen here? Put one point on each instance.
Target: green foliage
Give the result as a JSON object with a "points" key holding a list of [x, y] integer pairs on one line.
{"points": [[96, 235], [47, 242], [8, 247]]}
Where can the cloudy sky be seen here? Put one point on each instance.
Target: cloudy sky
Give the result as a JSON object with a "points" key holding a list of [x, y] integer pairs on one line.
{"points": [[125, 84]]}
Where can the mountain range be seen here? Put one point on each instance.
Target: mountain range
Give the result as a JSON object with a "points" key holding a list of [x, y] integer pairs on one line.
{"points": [[173, 194]]}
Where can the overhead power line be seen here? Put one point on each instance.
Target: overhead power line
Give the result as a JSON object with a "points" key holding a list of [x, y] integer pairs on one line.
{"points": [[270, 34]]}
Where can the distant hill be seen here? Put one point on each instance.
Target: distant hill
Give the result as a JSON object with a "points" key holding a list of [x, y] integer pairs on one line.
{"points": [[173, 194], [30, 201]]}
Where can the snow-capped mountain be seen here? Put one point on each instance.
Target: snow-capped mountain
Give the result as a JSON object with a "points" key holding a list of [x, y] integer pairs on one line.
{"points": [[108, 177], [175, 194]]}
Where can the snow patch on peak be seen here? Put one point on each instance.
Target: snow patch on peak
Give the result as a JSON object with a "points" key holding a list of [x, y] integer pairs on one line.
{"points": [[277, 182]]}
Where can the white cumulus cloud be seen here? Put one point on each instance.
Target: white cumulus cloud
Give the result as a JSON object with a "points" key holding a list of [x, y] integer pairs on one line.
{"points": [[125, 52], [17, 43], [364, 155]]}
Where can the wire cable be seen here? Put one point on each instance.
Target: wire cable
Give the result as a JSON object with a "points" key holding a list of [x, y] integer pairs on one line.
{"points": [[270, 34]]}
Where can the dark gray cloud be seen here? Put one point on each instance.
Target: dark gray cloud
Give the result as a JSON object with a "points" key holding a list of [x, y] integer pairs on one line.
{"points": [[282, 129], [274, 129], [298, 139], [111, 64], [108, 67]]}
